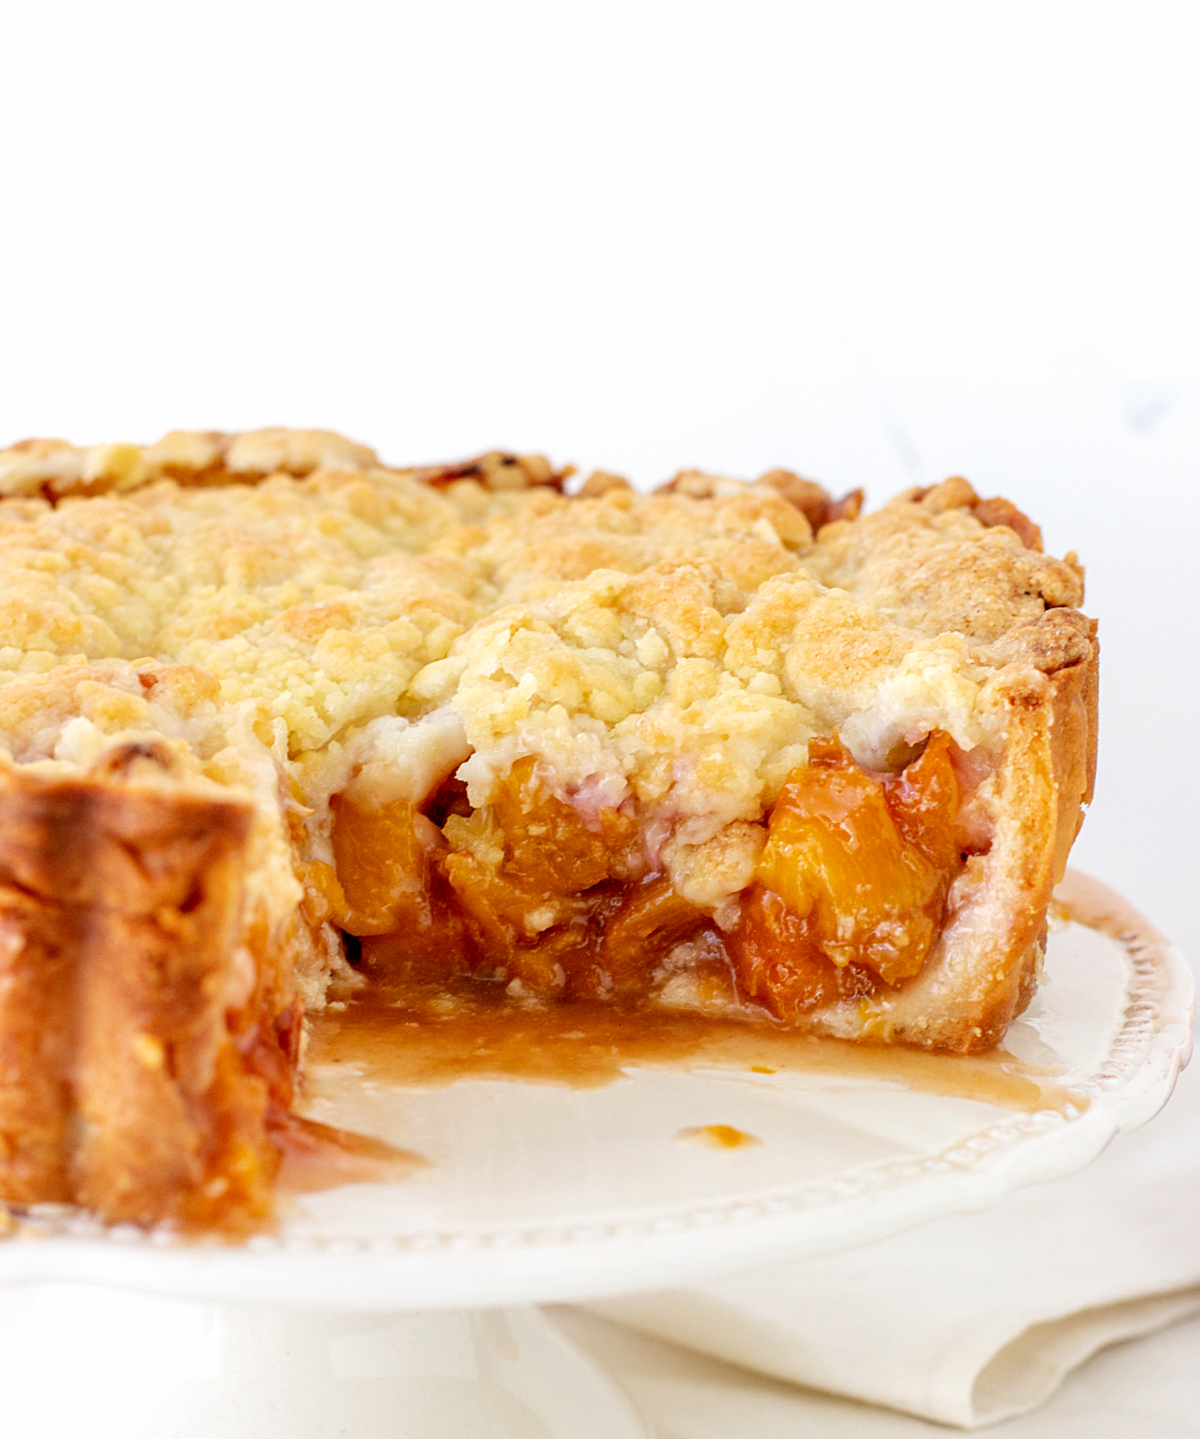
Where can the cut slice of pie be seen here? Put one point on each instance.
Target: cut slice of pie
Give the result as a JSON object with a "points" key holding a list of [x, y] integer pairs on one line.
{"points": [[274, 717]]}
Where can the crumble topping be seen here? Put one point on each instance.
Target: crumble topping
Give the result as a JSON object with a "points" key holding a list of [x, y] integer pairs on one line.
{"points": [[675, 652]]}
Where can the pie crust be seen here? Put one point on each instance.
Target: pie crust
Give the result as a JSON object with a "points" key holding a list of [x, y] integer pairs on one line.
{"points": [[276, 720]]}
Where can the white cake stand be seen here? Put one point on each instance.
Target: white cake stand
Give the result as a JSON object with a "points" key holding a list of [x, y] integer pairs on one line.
{"points": [[388, 1309]]}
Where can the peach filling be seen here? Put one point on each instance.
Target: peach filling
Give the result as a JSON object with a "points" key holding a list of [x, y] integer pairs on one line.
{"points": [[851, 886], [848, 896]]}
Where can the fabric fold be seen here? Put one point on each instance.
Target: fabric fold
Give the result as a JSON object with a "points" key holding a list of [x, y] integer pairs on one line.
{"points": [[973, 1318]]}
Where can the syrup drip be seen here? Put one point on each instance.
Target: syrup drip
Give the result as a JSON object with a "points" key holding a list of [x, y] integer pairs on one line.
{"points": [[718, 1136], [320, 1156], [424, 1037]]}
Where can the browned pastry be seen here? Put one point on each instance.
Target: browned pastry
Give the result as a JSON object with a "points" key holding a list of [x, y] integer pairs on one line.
{"points": [[276, 718], [124, 1085]]}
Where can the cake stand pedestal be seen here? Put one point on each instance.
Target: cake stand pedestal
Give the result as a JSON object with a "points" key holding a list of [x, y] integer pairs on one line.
{"points": [[118, 1365]]}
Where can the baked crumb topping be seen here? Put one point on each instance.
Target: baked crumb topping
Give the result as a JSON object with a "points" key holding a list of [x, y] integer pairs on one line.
{"points": [[679, 651]]}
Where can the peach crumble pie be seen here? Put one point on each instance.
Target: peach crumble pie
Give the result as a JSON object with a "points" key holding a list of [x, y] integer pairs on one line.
{"points": [[275, 718]]}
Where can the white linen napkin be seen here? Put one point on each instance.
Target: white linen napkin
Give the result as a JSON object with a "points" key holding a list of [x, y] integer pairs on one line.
{"points": [[974, 1318]]}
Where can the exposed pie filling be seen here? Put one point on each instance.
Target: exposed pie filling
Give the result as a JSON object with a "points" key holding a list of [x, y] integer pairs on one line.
{"points": [[847, 898]]}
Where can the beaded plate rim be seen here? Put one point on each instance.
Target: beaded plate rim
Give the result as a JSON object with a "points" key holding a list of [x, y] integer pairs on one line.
{"points": [[1127, 1086]]}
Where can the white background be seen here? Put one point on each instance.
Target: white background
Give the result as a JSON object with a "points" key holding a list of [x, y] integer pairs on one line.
{"points": [[876, 243]]}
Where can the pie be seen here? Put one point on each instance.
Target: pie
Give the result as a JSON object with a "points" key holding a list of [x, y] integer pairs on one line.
{"points": [[277, 720]]}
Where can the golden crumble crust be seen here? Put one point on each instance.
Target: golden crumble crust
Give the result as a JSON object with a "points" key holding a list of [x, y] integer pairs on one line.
{"points": [[53, 468], [676, 650]]}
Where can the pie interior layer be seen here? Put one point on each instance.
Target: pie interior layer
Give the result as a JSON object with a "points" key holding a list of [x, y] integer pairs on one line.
{"points": [[276, 718]]}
